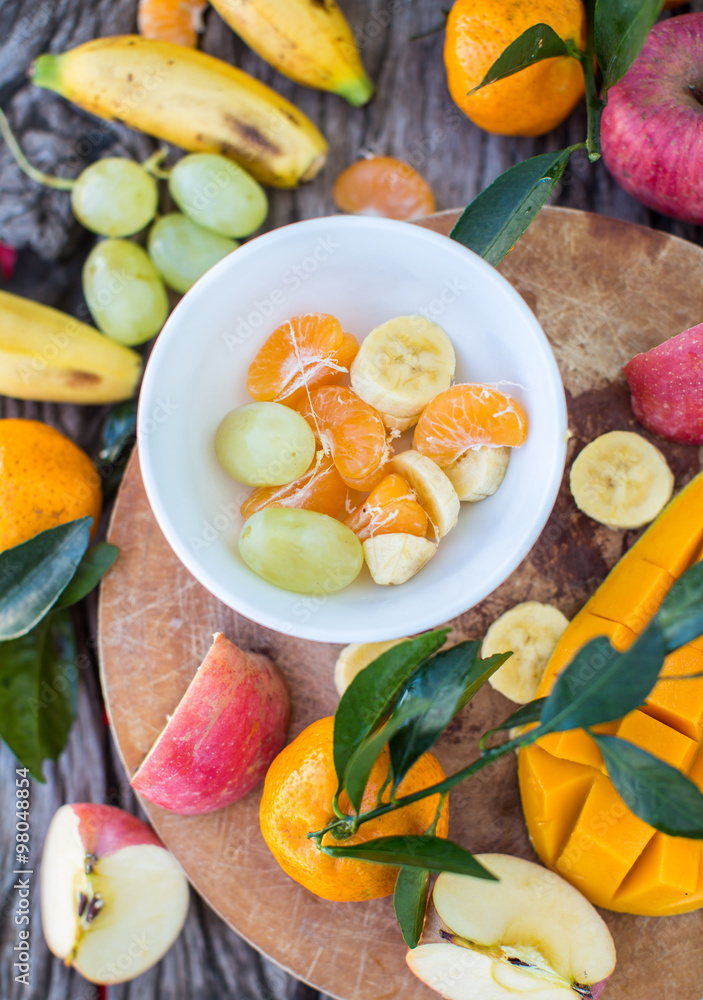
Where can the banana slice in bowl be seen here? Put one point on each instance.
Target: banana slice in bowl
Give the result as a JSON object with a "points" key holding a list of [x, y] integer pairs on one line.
{"points": [[433, 489], [478, 473], [395, 558]]}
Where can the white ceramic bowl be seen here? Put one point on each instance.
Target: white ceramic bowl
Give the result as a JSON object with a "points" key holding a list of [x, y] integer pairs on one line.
{"points": [[364, 271]]}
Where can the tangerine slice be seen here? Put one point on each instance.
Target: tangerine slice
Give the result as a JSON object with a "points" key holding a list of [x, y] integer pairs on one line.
{"points": [[321, 489], [390, 507], [350, 430], [303, 352], [464, 416], [382, 185], [177, 21]]}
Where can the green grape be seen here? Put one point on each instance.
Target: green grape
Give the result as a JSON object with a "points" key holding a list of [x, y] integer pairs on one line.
{"points": [[301, 550], [264, 444], [183, 252], [125, 294], [218, 194], [114, 197]]}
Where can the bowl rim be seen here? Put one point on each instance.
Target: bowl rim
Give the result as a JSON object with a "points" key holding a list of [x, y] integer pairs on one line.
{"points": [[316, 630]]}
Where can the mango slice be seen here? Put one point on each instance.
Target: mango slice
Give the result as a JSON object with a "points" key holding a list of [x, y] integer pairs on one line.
{"points": [[578, 823]]}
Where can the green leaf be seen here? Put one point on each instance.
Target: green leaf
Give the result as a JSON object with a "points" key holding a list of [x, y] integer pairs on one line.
{"points": [[412, 888], [433, 853], [536, 43], [358, 769], [33, 574], [621, 27], [118, 438], [496, 219], [680, 616], [654, 790], [600, 684], [443, 684], [371, 694], [91, 569], [523, 716], [38, 691]]}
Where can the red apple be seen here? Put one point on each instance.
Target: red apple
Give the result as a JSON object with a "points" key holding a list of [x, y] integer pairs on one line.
{"points": [[218, 744], [113, 899], [652, 128], [667, 387]]}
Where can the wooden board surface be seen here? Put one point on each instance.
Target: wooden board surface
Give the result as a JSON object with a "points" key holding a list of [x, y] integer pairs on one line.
{"points": [[602, 289]]}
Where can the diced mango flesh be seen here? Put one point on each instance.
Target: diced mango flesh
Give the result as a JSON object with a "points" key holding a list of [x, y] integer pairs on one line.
{"points": [[578, 823]]}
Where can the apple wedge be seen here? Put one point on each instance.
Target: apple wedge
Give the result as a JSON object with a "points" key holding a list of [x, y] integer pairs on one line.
{"points": [[218, 744], [529, 933], [113, 899]]}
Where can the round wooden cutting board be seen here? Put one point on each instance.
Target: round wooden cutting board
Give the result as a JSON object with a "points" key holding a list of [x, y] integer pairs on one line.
{"points": [[602, 290]]}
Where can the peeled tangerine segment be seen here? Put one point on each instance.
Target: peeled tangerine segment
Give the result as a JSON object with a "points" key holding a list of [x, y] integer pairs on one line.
{"points": [[395, 558], [434, 491], [382, 185], [531, 631], [621, 480], [467, 415], [478, 473], [390, 508], [356, 657], [304, 351], [402, 364], [321, 488], [301, 550]]}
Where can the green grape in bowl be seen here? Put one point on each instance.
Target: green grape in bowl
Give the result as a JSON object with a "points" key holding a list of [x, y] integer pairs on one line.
{"points": [[264, 444]]}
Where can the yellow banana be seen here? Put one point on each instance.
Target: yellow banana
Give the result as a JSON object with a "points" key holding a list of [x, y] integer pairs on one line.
{"points": [[49, 356], [190, 99], [308, 40]]}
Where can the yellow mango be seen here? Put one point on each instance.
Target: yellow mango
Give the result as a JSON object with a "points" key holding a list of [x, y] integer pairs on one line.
{"points": [[578, 823]]}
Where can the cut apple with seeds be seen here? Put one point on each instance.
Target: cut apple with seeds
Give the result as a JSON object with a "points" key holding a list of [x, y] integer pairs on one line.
{"points": [[397, 557], [218, 744], [529, 933], [113, 899]]}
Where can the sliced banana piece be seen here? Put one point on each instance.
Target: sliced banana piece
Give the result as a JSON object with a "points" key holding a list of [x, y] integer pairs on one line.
{"points": [[396, 557], [399, 424], [621, 480], [434, 491], [355, 657], [402, 365], [478, 473], [531, 630]]}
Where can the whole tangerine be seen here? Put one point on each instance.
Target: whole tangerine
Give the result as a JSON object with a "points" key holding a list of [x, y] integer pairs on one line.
{"points": [[45, 480], [532, 101], [297, 799]]}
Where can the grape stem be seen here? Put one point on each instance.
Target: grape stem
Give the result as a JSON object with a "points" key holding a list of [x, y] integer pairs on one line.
{"points": [[152, 165], [48, 180]]}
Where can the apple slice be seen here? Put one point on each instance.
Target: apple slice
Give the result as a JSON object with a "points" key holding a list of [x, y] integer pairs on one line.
{"points": [[113, 899], [528, 933], [218, 744], [667, 387]]}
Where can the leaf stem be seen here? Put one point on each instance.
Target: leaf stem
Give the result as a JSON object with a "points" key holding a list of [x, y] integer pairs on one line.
{"points": [[48, 180], [594, 105]]}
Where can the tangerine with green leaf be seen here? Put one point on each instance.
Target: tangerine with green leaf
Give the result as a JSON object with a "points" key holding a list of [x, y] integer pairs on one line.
{"points": [[45, 480], [298, 798], [532, 101]]}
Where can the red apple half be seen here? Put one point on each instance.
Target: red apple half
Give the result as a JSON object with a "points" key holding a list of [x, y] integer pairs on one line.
{"points": [[530, 933], [667, 386], [652, 126], [218, 744], [113, 899]]}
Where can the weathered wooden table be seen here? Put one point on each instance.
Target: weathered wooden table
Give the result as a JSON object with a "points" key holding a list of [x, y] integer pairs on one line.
{"points": [[411, 117]]}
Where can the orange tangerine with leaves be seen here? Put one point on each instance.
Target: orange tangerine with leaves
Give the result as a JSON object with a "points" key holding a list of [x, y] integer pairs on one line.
{"points": [[297, 799], [382, 185], [536, 99], [350, 430], [321, 489], [303, 352], [390, 507], [177, 21], [466, 416]]}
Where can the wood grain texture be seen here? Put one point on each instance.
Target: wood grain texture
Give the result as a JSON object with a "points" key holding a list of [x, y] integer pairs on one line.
{"points": [[156, 623], [412, 117]]}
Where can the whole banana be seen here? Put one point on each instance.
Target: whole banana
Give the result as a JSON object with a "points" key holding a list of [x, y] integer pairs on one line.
{"points": [[190, 99], [49, 356], [308, 40]]}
